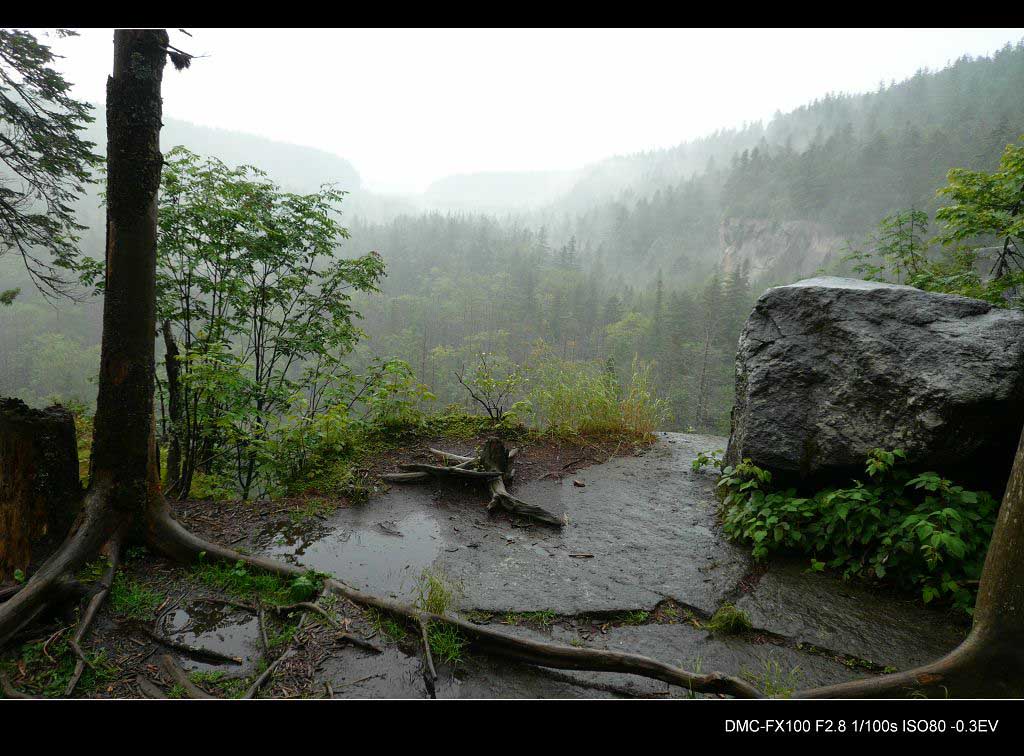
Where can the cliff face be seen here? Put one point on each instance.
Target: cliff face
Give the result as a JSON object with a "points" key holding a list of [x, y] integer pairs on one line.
{"points": [[777, 249]]}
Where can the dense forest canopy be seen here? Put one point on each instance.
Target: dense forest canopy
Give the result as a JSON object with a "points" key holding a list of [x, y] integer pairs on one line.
{"points": [[652, 258]]}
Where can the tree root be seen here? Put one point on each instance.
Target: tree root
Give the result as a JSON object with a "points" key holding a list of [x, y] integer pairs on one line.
{"points": [[168, 536], [148, 689], [429, 671], [178, 676], [979, 667], [9, 690], [114, 554]]}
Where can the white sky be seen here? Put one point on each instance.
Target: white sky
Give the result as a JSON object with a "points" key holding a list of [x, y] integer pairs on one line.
{"points": [[410, 106]]}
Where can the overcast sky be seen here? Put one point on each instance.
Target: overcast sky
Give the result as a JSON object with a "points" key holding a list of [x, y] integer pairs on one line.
{"points": [[407, 107]]}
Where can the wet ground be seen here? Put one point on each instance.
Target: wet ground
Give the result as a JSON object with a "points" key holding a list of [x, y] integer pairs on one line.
{"points": [[641, 564]]}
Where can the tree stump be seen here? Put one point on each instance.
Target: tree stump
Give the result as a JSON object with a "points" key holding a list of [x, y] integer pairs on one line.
{"points": [[493, 466], [40, 492]]}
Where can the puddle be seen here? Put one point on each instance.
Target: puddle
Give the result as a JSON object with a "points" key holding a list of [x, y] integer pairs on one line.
{"points": [[372, 552], [218, 628]]}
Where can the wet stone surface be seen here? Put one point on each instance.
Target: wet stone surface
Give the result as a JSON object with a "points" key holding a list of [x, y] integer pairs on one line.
{"points": [[849, 618], [641, 531]]}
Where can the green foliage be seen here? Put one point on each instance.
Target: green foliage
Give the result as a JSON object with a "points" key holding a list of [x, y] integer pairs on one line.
{"points": [[539, 619], [493, 384], [773, 680], [987, 204], [703, 459], [580, 399], [435, 592], [898, 248], [131, 599], [446, 642], [638, 617], [244, 583], [258, 302], [387, 625], [728, 620], [922, 533], [983, 207], [44, 668], [40, 125]]}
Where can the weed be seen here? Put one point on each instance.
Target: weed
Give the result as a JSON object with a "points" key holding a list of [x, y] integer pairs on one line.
{"points": [[131, 599], [446, 642], [729, 620], [772, 680], [46, 672], [634, 618], [387, 625]]}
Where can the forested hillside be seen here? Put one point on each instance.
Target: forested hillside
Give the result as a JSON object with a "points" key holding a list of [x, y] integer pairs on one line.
{"points": [[652, 259]]}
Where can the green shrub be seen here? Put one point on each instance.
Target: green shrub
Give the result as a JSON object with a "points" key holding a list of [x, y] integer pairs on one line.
{"points": [[921, 533], [582, 398]]}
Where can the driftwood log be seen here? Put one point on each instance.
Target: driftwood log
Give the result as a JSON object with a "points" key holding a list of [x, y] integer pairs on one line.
{"points": [[494, 466], [40, 492]]}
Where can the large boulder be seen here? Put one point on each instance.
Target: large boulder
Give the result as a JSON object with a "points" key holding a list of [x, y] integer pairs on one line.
{"points": [[829, 368]]}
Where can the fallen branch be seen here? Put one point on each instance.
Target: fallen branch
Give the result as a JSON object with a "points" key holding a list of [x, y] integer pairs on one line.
{"points": [[177, 674], [114, 549]]}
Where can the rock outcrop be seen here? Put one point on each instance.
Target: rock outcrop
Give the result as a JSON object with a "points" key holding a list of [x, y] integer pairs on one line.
{"points": [[829, 368], [776, 249]]}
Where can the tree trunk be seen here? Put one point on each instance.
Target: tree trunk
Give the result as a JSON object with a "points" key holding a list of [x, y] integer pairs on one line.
{"points": [[124, 407], [40, 492], [123, 488]]}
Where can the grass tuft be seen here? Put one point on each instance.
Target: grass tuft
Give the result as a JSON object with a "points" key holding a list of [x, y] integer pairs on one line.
{"points": [[729, 620]]}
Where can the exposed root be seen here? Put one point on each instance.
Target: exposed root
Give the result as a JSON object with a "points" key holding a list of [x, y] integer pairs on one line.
{"points": [[148, 689], [264, 641], [51, 584], [429, 671], [978, 668], [267, 673], [8, 591], [262, 680], [114, 555], [170, 537], [359, 642], [9, 690], [178, 676]]}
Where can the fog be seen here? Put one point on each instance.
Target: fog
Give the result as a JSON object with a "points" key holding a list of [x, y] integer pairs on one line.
{"points": [[410, 107]]}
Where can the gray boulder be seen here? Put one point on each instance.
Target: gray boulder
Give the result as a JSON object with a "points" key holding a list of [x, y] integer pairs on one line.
{"points": [[829, 368]]}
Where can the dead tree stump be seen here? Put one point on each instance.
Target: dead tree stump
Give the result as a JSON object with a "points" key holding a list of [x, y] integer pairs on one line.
{"points": [[40, 492], [496, 462]]}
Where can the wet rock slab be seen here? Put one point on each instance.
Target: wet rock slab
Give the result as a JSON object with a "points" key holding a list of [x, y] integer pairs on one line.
{"points": [[399, 674], [641, 529], [848, 618]]}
